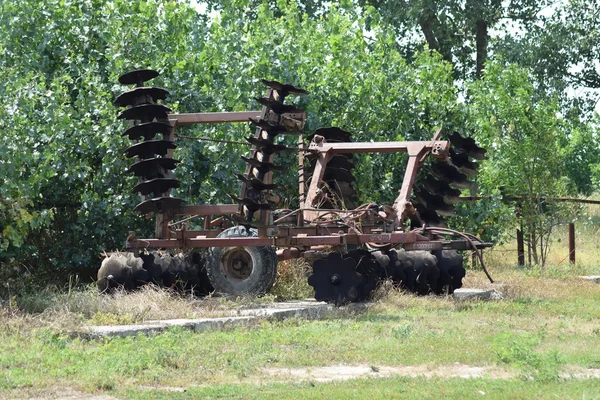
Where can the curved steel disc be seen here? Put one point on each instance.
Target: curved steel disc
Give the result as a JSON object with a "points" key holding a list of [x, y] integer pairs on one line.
{"points": [[267, 126], [277, 106], [257, 183], [331, 134], [284, 89], [433, 201], [146, 113], [150, 148], [137, 77], [467, 145], [371, 270], [338, 174], [451, 174], [153, 167], [462, 162], [157, 185], [429, 216], [141, 95], [441, 187], [148, 130], [262, 166], [266, 145], [250, 204], [335, 280], [336, 161], [159, 205], [395, 267]]}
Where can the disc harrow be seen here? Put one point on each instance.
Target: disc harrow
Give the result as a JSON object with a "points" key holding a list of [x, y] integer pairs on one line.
{"points": [[246, 239], [154, 165], [257, 182]]}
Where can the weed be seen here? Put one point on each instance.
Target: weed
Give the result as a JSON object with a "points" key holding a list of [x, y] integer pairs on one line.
{"points": [[519, 350], [402, 331]]}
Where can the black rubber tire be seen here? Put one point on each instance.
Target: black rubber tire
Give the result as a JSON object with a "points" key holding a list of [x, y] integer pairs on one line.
{"points": [[257, 271]]}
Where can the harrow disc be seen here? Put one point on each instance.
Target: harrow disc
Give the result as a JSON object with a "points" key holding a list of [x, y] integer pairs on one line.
{"points": [[153, 167], [468, 145], [435, 201], [277, 106], [145, 113], [331, 134], [258, 184], [335, 279], [452, 271], [137, 77], [159, 205], [266, 146], [462, 162], [437, 186], [268, 126], [284, 89], [150, 148], [148, 130], [141, 95], [370, 269], [156, 186]]}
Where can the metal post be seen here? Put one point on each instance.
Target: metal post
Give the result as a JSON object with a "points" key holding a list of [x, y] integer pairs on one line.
{"points": [[572, 243], [520, 248], [301, 181]]}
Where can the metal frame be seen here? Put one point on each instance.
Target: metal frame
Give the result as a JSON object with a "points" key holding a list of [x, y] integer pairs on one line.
{"points": [[295, 240]]}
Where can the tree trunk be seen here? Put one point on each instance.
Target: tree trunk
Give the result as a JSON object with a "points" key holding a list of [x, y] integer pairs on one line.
{"points": [[481, 42], [428, 21]]}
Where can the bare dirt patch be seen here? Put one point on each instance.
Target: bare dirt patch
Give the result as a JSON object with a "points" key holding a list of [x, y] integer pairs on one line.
{"points": [[69, 394], [344, 372]]}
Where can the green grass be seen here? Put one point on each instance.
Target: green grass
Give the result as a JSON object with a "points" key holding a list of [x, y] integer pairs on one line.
{"points": [[391, 388], [544, 327]]}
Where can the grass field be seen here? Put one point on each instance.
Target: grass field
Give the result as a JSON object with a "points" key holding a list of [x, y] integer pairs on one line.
{"points": [[541, 341]]}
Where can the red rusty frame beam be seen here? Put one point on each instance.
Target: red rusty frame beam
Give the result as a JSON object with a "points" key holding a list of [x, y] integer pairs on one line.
{"points": [[412, 148], [417, 151], [213, 117], [289, 241]]}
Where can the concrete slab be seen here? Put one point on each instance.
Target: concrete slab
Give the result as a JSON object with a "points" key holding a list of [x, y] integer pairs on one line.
{"points": [[246, 317], [591, 278], [476, 294]]}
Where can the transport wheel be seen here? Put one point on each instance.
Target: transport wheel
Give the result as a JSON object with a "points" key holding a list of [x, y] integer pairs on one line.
{"points": [[241, 270]]}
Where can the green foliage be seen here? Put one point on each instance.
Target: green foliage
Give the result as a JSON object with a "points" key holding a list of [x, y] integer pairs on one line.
{"points": [[527, 157], [519, 350], [64, 195]]}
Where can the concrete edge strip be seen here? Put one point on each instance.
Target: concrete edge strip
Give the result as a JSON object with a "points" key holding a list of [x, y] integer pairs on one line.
{"points": [[251, 318]]}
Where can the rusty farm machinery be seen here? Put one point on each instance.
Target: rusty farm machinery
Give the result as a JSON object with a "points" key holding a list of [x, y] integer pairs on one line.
{"points": [[352, 247]]}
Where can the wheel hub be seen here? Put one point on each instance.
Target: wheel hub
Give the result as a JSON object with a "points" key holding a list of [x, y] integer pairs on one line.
{"points": [[236, 264]]}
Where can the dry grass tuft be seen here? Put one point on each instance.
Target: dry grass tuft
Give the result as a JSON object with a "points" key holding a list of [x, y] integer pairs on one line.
{"points": [[292, 280], [518, 284], [70, 309]]}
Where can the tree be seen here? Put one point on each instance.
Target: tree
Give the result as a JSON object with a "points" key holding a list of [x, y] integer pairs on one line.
{"points": [[528, 158], [460, 31], [563, 55]]}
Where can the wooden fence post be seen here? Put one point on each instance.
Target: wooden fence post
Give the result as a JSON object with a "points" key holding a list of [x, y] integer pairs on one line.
{"points": [[572, 243], [520, 248]]}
